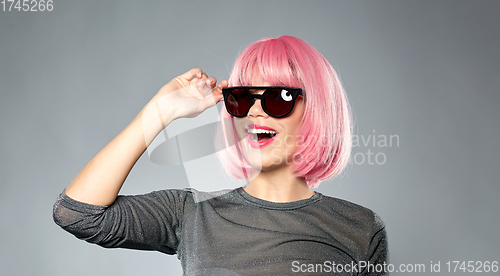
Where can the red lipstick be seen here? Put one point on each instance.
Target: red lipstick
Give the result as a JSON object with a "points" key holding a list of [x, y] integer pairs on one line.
{"points": [[253, 134]]}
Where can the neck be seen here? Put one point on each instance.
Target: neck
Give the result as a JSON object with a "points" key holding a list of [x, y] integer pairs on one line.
{"points": [[278, 186]]}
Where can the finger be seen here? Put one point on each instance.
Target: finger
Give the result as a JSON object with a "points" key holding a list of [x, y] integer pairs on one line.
{"points": [[200, 80], [216, 95], [205, 84], [189, 75], [222, 84], [212, 81], [202, 85]]}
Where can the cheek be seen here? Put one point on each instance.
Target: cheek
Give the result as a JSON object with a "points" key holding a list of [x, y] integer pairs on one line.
{"points": [[293, 122], [239, 124], [292, 125]]}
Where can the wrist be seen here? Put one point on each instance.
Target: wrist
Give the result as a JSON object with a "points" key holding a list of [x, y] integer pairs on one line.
{"points": [[154, 117]]}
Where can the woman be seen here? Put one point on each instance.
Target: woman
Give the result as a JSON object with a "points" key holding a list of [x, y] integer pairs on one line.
{"points": [[286, 128]]}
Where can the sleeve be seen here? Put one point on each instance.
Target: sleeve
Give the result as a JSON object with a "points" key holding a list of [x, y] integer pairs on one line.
{"points": [[146, 222], [377, 257]]}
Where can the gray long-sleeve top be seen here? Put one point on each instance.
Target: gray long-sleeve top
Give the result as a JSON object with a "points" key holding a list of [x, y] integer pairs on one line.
{"points": [[233, 233]]}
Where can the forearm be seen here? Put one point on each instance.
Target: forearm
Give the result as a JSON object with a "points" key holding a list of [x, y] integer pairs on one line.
{"points": [[102, 178]]}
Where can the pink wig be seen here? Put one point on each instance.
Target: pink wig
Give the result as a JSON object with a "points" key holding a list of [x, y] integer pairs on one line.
{"points": [[325, 129]]}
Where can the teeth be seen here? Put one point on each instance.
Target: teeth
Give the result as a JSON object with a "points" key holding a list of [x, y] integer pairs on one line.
{"points": [[254, 131], [260, 131]]}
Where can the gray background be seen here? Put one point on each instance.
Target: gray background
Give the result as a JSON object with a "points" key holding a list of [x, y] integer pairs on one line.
{"points": [[426, 71]]}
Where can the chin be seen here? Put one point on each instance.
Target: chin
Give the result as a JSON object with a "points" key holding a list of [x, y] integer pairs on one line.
{"points": [[268, 157], [266, 161]]}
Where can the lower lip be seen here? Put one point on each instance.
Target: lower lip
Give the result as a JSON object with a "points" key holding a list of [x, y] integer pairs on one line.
{"points": [[260, 144]]}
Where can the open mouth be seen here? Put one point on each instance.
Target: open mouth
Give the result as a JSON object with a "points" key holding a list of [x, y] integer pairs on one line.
{"points": [[260, 135]]}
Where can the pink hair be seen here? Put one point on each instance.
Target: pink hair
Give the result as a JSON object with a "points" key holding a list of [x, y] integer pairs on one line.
{"points": [[325, 129]]}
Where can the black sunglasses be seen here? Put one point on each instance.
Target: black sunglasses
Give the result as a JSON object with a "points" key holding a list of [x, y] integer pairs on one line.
{"points": [[277, 101]]}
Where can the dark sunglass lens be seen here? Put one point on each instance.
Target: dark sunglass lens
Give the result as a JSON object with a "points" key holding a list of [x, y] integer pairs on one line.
{"points": [[279, 101], [238, 102]]}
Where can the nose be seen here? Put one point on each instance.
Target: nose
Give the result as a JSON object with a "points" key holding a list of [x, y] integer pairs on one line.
{"points": [[256, 109]]}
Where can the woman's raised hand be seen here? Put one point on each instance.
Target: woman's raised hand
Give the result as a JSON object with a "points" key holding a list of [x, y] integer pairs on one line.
{"points": [[187, 95]]}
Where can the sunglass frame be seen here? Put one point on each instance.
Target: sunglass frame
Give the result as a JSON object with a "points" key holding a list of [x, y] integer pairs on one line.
{"points": [[294, 91]]}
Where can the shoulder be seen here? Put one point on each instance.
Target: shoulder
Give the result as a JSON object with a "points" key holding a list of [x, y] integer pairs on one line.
{"points": [[161, 196], [185, 198], [353, 213]]}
